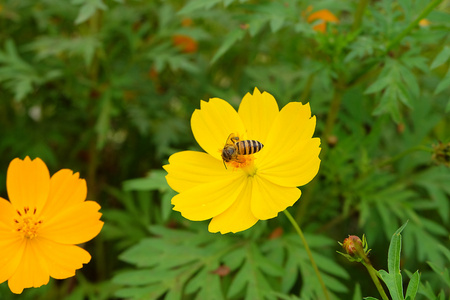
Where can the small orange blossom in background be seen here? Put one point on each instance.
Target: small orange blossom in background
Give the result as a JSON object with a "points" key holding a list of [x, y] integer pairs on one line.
{"points": [[42, 222], [185, 43], [324, 15], [265, 183]]}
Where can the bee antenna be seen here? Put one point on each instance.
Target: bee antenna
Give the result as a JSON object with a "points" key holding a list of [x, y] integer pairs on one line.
{"points": [[225, 165]]}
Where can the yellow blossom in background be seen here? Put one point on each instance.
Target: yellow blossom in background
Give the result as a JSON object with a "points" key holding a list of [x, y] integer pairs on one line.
{"points": [[261, 184], [324, 15], [424, 23], [42, 222]]}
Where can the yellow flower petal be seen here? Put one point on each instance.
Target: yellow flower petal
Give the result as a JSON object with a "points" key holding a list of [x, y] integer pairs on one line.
{"points": [[188, 169], [290, 157], [66, 189], [258, 111], [213, 123], [75, 224], [296, 169], [62, 260], [268, 199], [237, 217], [28, 183], [210, 199], [32, 271]]}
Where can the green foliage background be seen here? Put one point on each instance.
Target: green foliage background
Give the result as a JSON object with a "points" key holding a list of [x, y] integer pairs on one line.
{"points": [[100, 87]]}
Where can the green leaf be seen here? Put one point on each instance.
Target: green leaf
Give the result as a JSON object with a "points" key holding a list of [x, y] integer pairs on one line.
{"points": [[393, 279], [195, 5], [161, 269], [444, 84], [88, 8], [441, 58], [155, 180], [232, 38], [413, 286], [251, 275]]}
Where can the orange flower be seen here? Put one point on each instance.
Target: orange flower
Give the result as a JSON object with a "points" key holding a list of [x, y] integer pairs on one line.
{"points": [[325, 16], [41, 224], [185, 43]]}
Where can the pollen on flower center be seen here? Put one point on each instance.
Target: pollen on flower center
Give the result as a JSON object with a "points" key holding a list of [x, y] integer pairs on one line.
{"points": [[27, 223], [244, 162]]}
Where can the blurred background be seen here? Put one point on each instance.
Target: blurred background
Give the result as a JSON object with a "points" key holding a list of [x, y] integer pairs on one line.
{"points": [[107, 88]]}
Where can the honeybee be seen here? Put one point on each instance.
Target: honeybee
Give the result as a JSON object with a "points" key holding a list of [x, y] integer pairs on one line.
{"points": [[234, 147]]}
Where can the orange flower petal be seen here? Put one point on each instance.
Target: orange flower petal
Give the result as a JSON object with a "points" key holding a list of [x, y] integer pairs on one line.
{"points": [[66, 189], [75, 224], [62, 260], [258, 111], [210, 199], [13, 248], [32, 271], [268, 199], [213, 123], [7, 214], [323, 14], [238, 216], [188, 169], [28, 183], [322, 27], [185, 43]]}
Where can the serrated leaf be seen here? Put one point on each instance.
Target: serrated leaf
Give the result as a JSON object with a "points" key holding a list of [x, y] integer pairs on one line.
{"points": [[441, 58], [161, 268], [444, 84], [195, 5], [88, 8], [378, 85], [251, 275], [232, 38]]}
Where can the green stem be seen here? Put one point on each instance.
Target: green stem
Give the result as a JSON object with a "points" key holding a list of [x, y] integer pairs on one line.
{"points": [[376, 281], [308, 251], [376, 60], [408, 29], [329, 125], [372, 272], [359, 14], [403, 154]]}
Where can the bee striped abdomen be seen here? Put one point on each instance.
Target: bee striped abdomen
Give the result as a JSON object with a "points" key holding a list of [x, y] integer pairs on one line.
{"points": [[248, 147]]}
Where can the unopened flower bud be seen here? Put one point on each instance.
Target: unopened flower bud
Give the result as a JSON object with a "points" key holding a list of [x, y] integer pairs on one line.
{"points": [[351, 243]]}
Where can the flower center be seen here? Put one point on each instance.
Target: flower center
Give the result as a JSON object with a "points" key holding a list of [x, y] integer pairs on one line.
{"points": [[245, 163], [27, 223]]}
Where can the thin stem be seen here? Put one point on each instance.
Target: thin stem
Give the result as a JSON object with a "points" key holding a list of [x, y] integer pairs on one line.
{"points": [[403, 154], [329, 125], [408, 29], [376, 60], [372, 272], [359, 14], [376, 281], [308, 251]]}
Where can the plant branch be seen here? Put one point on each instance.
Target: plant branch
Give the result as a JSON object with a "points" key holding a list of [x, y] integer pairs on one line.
{"points": [[308, 251]]}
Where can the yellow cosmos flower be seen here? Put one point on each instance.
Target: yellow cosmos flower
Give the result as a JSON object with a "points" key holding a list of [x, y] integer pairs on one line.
{"points": [[41, 224], [257, 186]]}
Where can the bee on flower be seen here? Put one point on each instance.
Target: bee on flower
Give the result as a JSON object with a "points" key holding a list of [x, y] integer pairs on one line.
{"points": [[271, 152]]}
